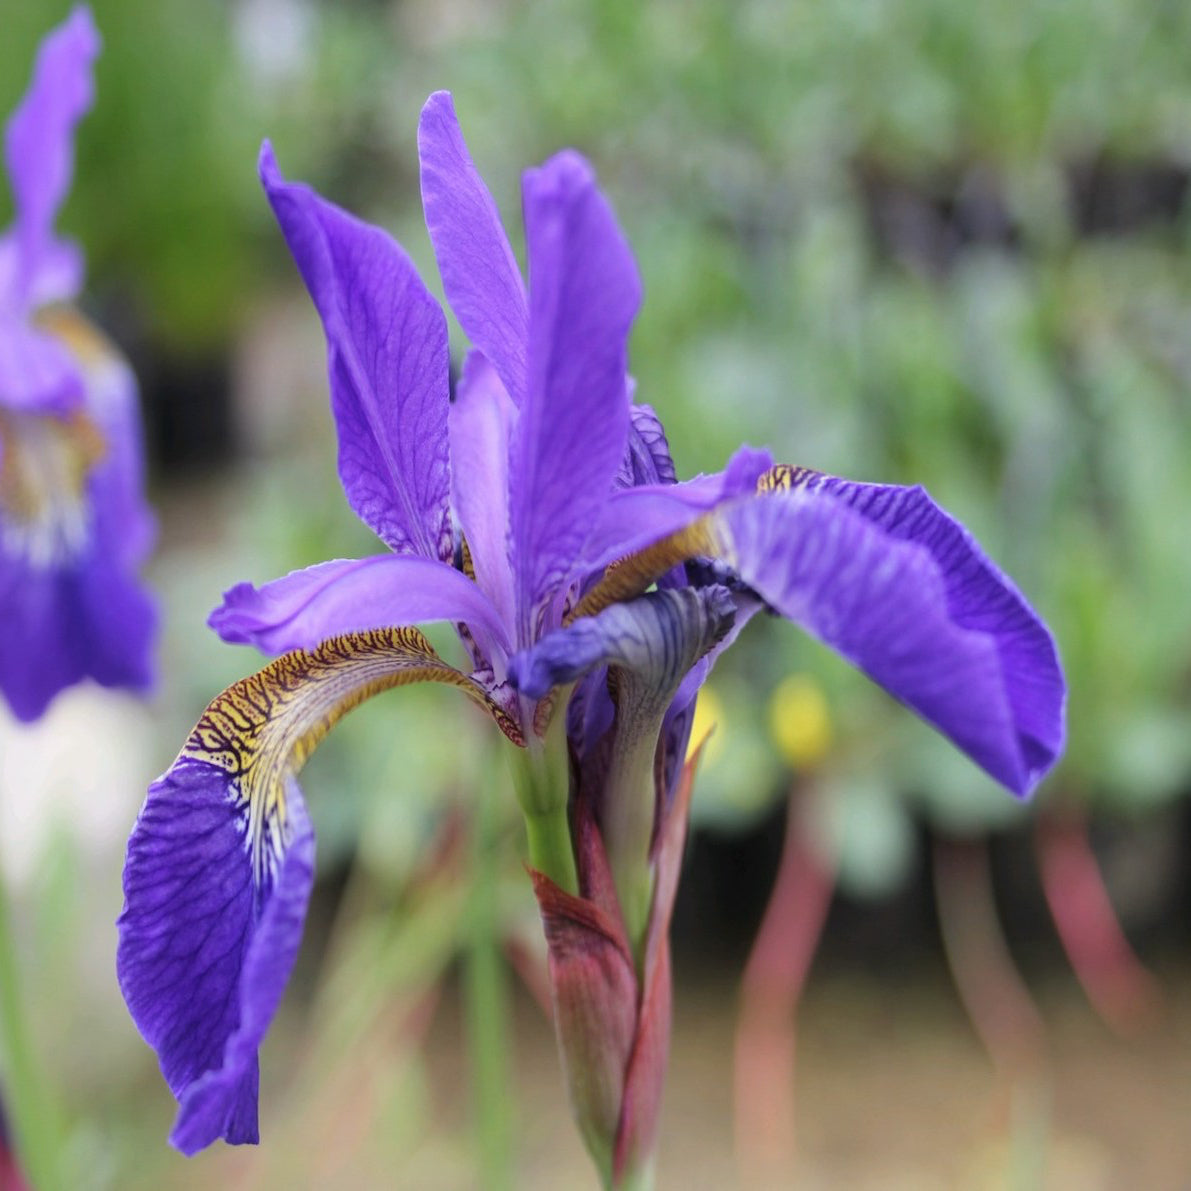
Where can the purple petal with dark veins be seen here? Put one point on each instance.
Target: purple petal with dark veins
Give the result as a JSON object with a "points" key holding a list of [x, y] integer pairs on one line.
{"points": [[570, 438], [205, 948], [898, 587], [659, 635], [481, 421], [387, 359], [680, 715], [305, 607], [39, 154], [479, 272], [647, 454]]}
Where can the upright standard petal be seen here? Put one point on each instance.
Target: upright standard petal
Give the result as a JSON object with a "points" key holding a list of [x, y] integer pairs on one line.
{"points": [[220, 865], [479, 272], [570, 438], [388, 362], [908, 596], [482, 419], [39, 153], [348, 595]]}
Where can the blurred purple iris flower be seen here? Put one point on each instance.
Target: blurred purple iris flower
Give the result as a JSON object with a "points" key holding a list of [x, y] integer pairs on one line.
{"points": [[539, 513], [73, 523]]}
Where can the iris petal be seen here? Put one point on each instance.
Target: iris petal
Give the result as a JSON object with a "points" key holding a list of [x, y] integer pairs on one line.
{"points": [[479, 272], [387, 359], [481, 421], [305, 607], [206, 947], [39, 153], [659, 636], [570, 437], [633, 518], [647, 457], [905, 593], [74, 528], [220, 865]]}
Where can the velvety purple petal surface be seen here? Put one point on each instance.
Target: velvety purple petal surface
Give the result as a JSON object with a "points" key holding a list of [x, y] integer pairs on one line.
{"points": [[981, 598], [39, 154], [570, 438], [480, 275], [895, 585], [347, 595], [387, 359], [481, 421], [204, 953], [88, 619]]}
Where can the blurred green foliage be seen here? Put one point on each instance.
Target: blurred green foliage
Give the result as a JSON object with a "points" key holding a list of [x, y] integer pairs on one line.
{"points": [[905, 240]]}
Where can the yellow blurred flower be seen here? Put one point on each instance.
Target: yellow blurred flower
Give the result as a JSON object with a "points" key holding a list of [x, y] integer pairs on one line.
{"points": [[799, 721], [709, 715]]}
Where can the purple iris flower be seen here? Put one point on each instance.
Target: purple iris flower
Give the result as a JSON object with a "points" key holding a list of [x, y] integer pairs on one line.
{"points": [[74, 526], [538, 512]]}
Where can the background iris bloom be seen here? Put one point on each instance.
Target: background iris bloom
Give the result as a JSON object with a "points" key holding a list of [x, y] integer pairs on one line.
{"points": [[74, 526], [539, 513]]}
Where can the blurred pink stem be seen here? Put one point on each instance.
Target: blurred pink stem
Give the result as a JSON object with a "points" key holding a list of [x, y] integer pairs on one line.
{"points": [[991, 988], [770, 991], [1120, 989]]}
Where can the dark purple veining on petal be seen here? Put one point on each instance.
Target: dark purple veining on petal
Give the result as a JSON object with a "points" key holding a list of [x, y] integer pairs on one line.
{"points": [[387, 359], [205, 952]]}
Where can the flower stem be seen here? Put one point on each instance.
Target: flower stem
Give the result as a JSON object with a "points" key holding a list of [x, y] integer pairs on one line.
{"points": [[1121, 990], [550, 848], [769, 995], [542, 781], [487, 1000], [629, 811], [989, 985], [35, 1123], [641, 1179]]}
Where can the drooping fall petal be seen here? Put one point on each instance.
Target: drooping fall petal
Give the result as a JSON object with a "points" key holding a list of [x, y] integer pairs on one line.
{"points": [[905, 594], [220, 865]]}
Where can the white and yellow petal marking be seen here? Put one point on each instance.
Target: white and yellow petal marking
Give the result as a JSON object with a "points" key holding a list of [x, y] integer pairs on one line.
{"points": [[262, 729], [45, 460]]}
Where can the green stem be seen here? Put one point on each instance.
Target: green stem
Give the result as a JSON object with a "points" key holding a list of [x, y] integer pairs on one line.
{"points": [[550, 848], [487, 999], [641, 1179], [35, 1123], [542, 780]]}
